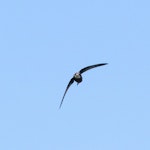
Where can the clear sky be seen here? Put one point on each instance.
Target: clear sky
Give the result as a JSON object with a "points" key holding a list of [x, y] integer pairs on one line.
{"points": [[43, 43]]}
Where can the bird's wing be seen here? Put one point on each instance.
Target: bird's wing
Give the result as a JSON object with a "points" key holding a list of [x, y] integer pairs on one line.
{"points": [[69, 84], [90, 67]]}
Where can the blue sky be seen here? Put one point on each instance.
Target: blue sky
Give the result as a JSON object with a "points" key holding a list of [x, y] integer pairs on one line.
{"points": [[43, 43]]}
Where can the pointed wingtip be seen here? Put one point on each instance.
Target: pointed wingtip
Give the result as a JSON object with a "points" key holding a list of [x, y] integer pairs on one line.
{"points": [[60, 106], [105, 64]]}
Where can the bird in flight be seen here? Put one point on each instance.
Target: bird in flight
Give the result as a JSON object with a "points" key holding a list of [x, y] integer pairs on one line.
{"points": [[78, 78]]}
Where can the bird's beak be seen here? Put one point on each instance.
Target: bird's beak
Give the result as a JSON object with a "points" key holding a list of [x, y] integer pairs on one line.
{"points": [[77, 83]]}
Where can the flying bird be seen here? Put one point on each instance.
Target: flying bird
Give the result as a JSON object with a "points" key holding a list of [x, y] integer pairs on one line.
{"points": [[78, 78]]}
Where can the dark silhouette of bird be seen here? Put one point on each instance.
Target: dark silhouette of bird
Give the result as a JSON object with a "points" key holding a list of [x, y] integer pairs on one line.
{"points": [[78, 78]]}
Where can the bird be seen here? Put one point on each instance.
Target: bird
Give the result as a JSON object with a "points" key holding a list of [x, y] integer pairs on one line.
{"points": [[78, 78]]}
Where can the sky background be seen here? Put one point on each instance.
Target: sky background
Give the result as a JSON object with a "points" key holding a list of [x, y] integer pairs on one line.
{"points": [[43, 43]]}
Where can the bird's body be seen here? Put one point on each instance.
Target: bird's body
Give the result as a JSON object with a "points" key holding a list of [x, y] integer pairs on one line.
{"points": [[78, 78]]}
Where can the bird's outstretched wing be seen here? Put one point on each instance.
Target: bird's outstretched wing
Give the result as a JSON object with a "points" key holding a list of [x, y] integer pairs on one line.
{"points": [[90, 67], [69, 84]]}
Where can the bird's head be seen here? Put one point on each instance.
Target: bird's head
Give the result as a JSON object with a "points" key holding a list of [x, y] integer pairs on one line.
{"points": [[77, 75]]}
